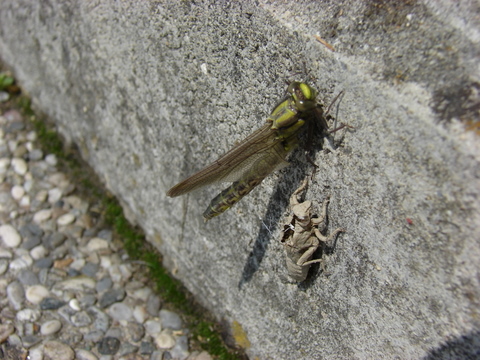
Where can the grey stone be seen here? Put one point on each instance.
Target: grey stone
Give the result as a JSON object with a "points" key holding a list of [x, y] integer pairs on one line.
{"points": [[3, 266], [31, 242], [127, 348], [30, 340], [4, 96], [108, 346], [146, 348], [94, 336], [15, 295], [51, 303], [105, 234], [170, 320], [66, 312], [115, 332], [135, 331], [31, 229], [73, 272], [15, 126], [35, 155], [90, 269], [87, 300], [157, 355], [43, 276], [153, 304], [101, 320], [180, 350], [54, 240], [120, 311], [28, 277], [72, 337], [80, 319], [104, 284], [112, 296], [44, 263]]}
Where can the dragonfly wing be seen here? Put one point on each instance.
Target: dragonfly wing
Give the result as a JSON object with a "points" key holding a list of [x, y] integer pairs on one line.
{"points": [[270, 161], [232, 165]]}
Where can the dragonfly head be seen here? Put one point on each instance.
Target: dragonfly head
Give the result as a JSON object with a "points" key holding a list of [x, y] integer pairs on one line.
{"points": [[303, 95], [303, 210]]}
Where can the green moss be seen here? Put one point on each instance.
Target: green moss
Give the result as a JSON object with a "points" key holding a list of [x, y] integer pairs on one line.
{"points": [[5, 81], [211, 341], [49, 139], [24, 105], [170, 288]]}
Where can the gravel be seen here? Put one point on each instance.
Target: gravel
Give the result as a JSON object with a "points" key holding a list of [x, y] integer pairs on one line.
{"points": [[66, 291]]}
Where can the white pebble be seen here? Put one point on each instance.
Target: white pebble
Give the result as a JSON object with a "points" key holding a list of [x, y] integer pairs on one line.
{"points": [[4, 253], [58, 351], [82, 354], [32, 136], [75, 304], [50, 327], [41, 195], [105, 262], [125, 269], [4, 162], [165, 340], [29, 315], [21, 262], [38, 252], [120, 311], [203, 356], [19, 166], [54, 195], [140, 314], [77, 203], [97, 244], [66, 219], [42, 215], [77, 283], [142, 293], [153, 327], [25, 201], [78, 264], [3, 269], [27, 184], [115, 273], [36, 353], [10, 236], [17, 192], [51, 159], [15, 341], [59, 180], [36, 293]]}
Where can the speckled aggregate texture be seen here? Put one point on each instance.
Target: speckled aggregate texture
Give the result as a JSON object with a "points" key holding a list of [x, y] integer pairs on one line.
{"points": [[67, 288], [151, 91]]}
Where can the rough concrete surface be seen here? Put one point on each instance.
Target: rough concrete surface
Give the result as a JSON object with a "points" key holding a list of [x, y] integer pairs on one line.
{"points": [[152, 91]]}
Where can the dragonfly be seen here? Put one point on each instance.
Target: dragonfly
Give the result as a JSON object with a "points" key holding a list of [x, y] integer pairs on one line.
{"points": [[264, 151]]}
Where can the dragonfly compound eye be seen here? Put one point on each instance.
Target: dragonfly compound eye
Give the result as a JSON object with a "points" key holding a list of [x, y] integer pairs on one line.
{"points": [[303, 95]]}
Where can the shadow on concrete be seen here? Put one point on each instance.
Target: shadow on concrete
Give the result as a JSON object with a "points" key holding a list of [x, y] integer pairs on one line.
{"points": [[464, 347]]}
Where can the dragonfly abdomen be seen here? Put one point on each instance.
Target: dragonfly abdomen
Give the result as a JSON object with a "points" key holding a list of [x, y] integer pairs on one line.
{"points": [[230, 196]]}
